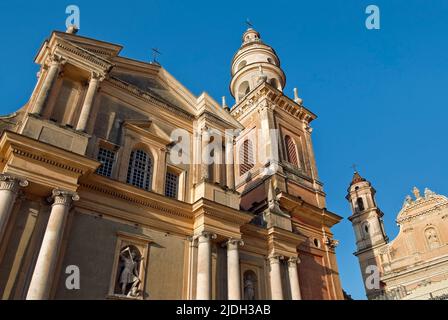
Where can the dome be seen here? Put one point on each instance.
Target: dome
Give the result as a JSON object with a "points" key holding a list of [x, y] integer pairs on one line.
{"points": [[253, 63]]}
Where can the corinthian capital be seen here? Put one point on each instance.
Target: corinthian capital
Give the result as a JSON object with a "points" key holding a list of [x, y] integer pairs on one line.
{"points": [[62, 197], [11, 183]]}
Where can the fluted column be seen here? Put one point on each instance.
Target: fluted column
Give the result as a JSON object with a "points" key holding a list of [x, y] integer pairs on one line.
{"points": [[88, 102], [204, 270], [294, 278], [233, 269], [45, 89], [49, 251], [9, 188], [276, 278]]}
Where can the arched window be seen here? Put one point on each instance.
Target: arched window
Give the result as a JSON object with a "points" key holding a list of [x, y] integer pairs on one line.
{"points": [[366, 229], [243, 90], [140, 170], [291, 151], [360, 204], [246, 157], [250, 285]]}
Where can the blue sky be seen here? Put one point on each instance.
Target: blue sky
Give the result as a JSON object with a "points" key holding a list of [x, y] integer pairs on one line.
{"points": [[380, 94]]}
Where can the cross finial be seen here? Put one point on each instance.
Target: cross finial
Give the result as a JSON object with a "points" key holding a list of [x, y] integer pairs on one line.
{"points": [[248, 23], [354, 167], [155, 54]]}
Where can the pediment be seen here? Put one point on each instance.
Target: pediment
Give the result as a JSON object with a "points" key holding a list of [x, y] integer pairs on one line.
{"points": [[101, 48]]}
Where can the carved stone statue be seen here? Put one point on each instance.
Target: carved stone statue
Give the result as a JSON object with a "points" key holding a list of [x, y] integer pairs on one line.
{"points": [[249, 287], [432, 238], [407, 201], [416, 193], [130, 273], [429, 193]]}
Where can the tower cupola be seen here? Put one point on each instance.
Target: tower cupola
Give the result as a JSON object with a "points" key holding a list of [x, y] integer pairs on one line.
{"points": [[255, 62]]}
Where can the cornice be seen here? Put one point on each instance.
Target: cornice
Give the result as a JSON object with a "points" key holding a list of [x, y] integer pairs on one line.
{"points": [[83, 53], [15, 144], [213, 118], [127, 193], [274, 99], [303, 210], [208, 207], [438, 203]]}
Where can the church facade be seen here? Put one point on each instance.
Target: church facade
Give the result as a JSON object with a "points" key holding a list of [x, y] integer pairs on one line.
{"points": [[414, 265], [106, 191]]}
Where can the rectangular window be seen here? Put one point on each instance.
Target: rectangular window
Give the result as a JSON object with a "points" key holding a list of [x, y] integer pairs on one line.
{"points": [[107, 159], [171, 185]]}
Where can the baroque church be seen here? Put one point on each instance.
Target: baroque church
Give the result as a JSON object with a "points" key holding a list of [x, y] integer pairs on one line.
{"points": [[413, 266], [88, 187]]}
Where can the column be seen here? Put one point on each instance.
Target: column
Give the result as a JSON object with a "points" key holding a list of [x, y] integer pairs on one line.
{"points": [[9, 188], [276, 278], [53, 71], [294, 278], [204, 272], [88, 102], [233, 269], [49, 251]]}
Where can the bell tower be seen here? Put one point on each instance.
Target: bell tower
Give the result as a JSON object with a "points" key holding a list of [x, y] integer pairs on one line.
{"points": [[367, 218], [368, 225]]}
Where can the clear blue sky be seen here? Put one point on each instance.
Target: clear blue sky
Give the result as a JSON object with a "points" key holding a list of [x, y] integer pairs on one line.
{"points": [[380, 95]]}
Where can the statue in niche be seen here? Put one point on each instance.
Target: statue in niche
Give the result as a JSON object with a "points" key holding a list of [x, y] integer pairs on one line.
{"points": [[432, 238], [249, 285], [129, 279]]}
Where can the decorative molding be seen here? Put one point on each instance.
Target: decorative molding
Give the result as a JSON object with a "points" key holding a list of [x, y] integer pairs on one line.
{"points": [[47, 161], [271, 98], [126, 197], [83, 53]]}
